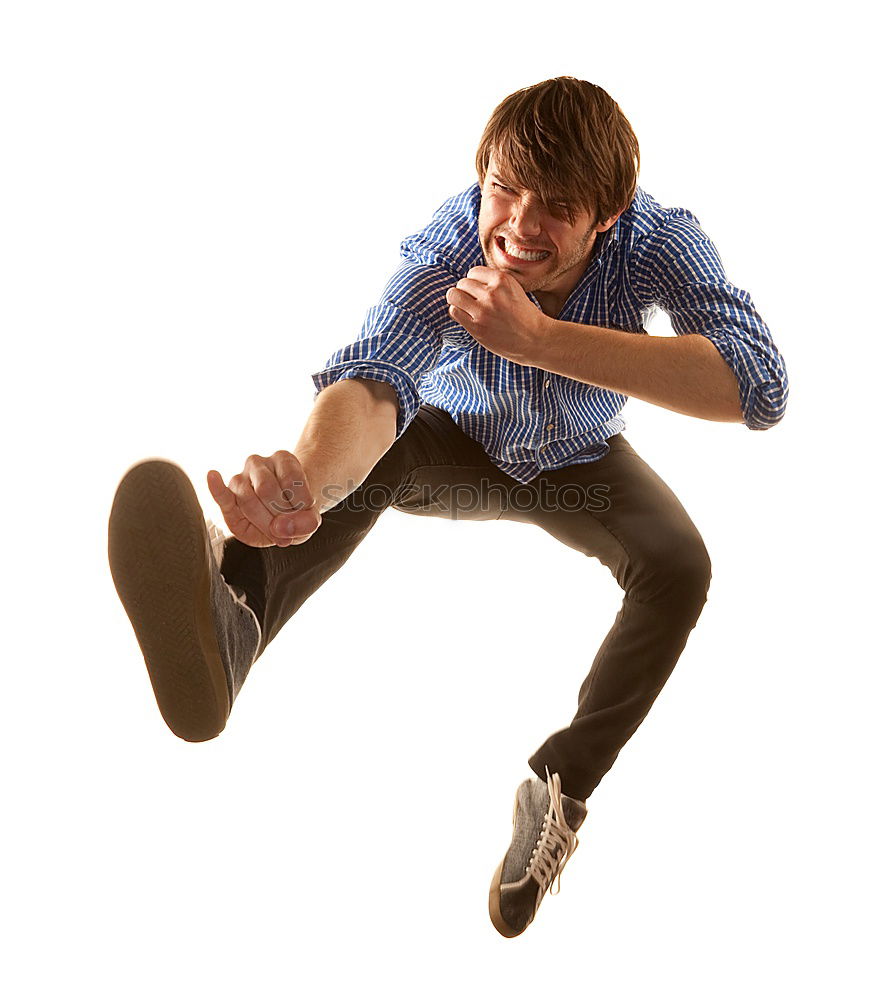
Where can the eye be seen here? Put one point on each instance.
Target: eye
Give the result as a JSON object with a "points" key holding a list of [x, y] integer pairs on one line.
{"points": [[500, 187], [562, 211]]}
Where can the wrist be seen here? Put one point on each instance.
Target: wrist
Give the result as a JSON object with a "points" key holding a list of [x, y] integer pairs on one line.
{"points": [[540, 342], [325, 484]]}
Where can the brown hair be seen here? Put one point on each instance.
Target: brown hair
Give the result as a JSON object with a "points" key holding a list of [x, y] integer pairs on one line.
{"points": [[568, 141]]}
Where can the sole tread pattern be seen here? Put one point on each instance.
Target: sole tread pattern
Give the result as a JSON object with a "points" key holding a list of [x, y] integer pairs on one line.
{"points": [[159, 556]]}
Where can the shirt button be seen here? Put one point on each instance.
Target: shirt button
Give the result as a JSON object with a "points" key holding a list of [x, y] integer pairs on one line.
{"points": [[549, 427], [547, 383]]}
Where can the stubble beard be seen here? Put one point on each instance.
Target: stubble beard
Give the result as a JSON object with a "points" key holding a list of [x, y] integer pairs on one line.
{"points": [[580, 256]]}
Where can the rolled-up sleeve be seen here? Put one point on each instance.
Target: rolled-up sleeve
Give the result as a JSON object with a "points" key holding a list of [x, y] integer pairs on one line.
{"points": [[684, 275], [400, 339]]}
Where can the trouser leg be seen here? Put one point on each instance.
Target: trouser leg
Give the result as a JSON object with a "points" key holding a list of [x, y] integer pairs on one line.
{"points": [[431, 452], [616, 509], [620, 511]]}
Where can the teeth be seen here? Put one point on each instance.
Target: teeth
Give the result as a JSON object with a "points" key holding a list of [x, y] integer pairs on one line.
{"points": [[520, 254]]}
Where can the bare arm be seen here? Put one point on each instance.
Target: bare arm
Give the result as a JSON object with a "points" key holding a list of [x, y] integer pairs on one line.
{"points": [[351, 426], [279, 499], [684, 374]]}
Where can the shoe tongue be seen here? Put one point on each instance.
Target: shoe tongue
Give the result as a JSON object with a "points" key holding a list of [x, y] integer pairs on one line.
{"points": [[574, 812]]}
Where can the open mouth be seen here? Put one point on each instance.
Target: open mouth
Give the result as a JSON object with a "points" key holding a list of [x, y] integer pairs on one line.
{"points": [[520, 255]]}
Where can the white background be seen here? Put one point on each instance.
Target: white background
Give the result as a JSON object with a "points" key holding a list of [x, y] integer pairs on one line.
{"points": [[199, 203]]}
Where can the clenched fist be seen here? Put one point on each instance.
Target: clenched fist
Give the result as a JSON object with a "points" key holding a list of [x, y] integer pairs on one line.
{"points": [[269, 502], [492, 306]]}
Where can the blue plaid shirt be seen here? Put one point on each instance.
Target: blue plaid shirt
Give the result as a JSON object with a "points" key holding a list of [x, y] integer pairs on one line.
{"points": [[529, 420]]}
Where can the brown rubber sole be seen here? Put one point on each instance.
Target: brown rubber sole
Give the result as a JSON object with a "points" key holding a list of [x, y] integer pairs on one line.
{"points": [[495, 894], [160, 560]]}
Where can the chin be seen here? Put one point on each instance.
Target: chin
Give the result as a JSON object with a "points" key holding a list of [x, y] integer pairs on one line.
{"points": [[528, 285], [527, 274]]}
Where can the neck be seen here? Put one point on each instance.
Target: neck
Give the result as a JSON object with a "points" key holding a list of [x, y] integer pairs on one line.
{"points": [[552, 300], [551, 303]]}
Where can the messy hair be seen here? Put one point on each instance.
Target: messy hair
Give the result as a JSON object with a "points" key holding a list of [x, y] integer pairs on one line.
{"points": [[567, 141]]}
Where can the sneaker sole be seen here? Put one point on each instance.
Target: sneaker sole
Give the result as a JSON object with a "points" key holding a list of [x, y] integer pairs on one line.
{"points": [[495, 894], [160, 560]]}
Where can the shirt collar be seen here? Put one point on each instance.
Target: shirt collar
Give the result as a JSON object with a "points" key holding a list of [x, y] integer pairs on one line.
{"points": [[615, 231], [610, 237], [604, 242]]}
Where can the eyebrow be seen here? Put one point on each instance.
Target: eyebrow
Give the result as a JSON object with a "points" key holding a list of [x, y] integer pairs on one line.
{"points": [[501, 179], [495, 175]]}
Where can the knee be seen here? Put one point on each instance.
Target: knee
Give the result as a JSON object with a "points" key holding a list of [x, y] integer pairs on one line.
{"points": [[697, 571], [680, 573], [692, 572]]}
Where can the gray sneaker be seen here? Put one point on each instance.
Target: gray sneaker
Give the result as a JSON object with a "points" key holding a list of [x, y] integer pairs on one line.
{"points": [[197, 634], [544, 839]]}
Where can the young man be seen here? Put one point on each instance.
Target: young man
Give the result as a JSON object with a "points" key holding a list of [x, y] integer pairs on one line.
{"points": [[495, 366]]}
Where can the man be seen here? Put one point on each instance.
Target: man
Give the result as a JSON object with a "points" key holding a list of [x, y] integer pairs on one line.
{"points": [[495, 365]]}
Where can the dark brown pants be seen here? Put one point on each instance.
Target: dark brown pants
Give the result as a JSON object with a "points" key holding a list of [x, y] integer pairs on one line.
{"points": [[615, 509]]}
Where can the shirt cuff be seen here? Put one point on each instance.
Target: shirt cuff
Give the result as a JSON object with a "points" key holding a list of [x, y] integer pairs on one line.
{"points": [[762, 405], [408, 398]]}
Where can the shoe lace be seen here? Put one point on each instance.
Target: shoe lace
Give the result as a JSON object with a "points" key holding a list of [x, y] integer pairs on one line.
{"points": [[556, 843], [217, 539]]}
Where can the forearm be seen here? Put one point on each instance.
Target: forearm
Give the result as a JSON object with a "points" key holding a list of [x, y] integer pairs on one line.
{"points": [[351, 426], [685, 374]]}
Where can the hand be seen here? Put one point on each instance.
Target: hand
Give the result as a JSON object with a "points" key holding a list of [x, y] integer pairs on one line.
{"points": [[492, 306], [269, 502]]}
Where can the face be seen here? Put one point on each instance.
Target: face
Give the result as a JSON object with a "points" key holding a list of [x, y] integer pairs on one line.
{"points": [[520, 235]]}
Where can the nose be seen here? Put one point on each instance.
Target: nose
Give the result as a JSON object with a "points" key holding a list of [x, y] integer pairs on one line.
{"points": [[525, 218]]}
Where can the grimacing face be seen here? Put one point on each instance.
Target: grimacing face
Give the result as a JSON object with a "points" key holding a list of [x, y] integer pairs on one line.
{"points": [[519, 235]]}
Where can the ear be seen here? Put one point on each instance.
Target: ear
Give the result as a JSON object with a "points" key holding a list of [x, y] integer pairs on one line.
{"points": [[608, 223]]}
